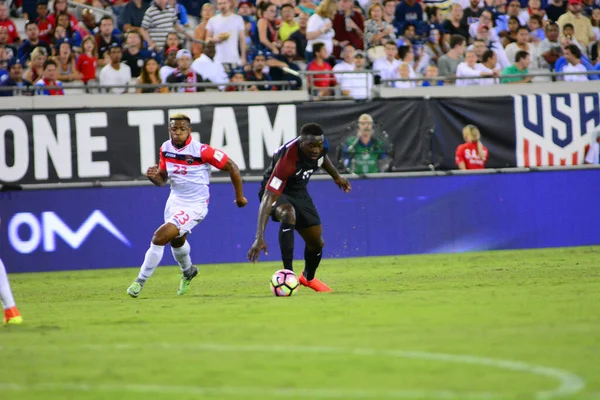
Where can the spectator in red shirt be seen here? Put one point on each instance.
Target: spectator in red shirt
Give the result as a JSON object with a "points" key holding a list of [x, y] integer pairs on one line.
{"points": [[88, 61], [13, 34], [323, 83], [472, 154], [61, 6], [42, 22], [349, 27]]}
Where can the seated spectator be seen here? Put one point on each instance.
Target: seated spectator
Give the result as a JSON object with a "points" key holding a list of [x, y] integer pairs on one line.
{"points": [[33, 40], [15, 78], [285, 60], [534, 8], [568, 35], [573, 57], [511, 34], [3, 64], [468, 68], [488, 66], [347, 63], [522, 44], [404, 73], [299, 36], [434, 48], [132, 15], [208, 67], [5, 21], [388, 66], [389, 12], [184, 73], [364, 154], [407, 56], [149, 75], [455, 25], [257, 75], [349, 27], [42, 21], [173, 40], [208, 11], [237, 76], [550, 48], [435, 18], [65, 61], [407, 11], [50, 80], [537, 33], [358, 85], [472, 154], [36, 67], [170, 64], [408, 37], [88, 60], [320, 28], [520, 67], [448, 63], [323, 83], [105, 39], [486, 19], [377, 31], [60, 6], [134, 55], [288, 23], [227, 31], [514, 10], [472, 13], [266, 38], [555, 9], [562, 62], [582, 25], [116, 73], [11, 50], [88, 26], [432, 74]]}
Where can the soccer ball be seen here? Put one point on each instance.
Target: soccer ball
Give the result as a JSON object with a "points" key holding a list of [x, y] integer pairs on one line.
{"points": [[284, 283]]}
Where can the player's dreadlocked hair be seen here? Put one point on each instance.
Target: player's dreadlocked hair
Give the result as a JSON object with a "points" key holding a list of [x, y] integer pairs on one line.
{"points": [[472, 134], [179, 117], [312, 129]]}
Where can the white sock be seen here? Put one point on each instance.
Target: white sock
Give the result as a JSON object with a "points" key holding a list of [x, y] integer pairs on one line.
{"points": [[6, 296], [151, 261], [182, 256]]}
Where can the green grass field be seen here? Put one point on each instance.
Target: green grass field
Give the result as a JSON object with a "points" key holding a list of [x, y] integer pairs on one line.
{"points": [[494, 325]]}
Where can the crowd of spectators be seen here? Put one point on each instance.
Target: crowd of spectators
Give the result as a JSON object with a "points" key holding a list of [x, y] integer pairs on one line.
{"points": [[464, 42]]}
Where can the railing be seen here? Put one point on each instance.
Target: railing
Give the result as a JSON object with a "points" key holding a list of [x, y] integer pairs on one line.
{"points": [[94, 9]]}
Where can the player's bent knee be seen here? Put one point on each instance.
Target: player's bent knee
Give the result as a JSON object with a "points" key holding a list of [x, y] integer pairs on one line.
{"points": [[178, 242], [286, 214], [165, 234], [317, 245]]}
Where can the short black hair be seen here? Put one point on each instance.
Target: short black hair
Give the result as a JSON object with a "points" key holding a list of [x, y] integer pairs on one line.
{"points": [[520, 28], [50, 62], [105, 18], [550, 24], [403, 51], [456, 40], [521, 55], [568, 25], [312, 129], [30, 22], [431, 11], [409, 25], [573, 49], [317, 47], [487, 55], [286, 5]]}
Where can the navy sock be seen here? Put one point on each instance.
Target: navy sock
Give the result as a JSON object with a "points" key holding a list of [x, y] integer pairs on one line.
{"points": [[286, 244], [311, 262]]}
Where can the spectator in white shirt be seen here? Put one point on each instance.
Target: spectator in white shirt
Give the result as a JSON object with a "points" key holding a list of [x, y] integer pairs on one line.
{"points": [[486, 19], [573, 57], [206, 66], [358, 85], [488, 65], [522, 44], [170, 63], [228, 32], [387, 67], [347, 64], [467, 68], [115, 73], [320, 27], [404, 73]]}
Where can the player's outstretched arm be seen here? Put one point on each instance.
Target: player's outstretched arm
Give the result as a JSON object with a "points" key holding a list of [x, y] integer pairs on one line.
{"points": [[156, 175], [264, 211], [334, 173], [236, 180]]}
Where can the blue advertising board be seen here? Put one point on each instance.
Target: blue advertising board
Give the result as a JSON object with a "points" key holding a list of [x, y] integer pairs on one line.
{"points": [[111, 227]]}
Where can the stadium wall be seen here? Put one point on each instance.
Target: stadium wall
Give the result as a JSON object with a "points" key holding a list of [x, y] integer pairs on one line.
{"points": [[96, 228]]}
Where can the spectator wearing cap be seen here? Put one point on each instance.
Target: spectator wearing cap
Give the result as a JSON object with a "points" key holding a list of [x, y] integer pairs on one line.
{"points": [[573, 57], [65, 61], [159, 19], [522, 44], [33, 40], [285, 59], [11, 50], [134, 55], [299, 36], [132, 15], [288, 23], [349, 27], [357, 85], [150, 75], [38, 57], [448, 63], [170, 64], [377, 30], [555, 9], [208, 11], [115, 73], [266, 29], [105, 39], [184, 73], [319, 28], [15, 78], [237, 76], [257, 74], [323, 83], [13, 34], [583, 27], [42, 21], [50, 80], [87, 62], [520, 67], [206, 66], [387, 67], [227, 31]]}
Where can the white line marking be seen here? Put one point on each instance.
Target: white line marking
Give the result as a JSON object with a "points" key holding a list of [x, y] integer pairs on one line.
{"points": [[569, 383]]}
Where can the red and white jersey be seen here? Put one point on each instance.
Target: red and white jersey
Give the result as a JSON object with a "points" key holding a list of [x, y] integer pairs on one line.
{"points": [[189, 170], [467, 153]]}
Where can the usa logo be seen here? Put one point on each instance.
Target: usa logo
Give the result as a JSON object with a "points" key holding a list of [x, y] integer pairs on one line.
{"points": [[554, 129], [189, 159]]}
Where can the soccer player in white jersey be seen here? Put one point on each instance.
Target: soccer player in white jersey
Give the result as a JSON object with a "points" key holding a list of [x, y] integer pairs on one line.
{"points": [[11, 313], [187, 164]]}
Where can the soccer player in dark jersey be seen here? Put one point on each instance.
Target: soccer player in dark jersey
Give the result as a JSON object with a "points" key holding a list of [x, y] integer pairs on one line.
{"points": [[284, 197]]}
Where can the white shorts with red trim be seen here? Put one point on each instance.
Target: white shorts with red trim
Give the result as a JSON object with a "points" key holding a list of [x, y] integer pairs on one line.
{"points": [[184, 217]]}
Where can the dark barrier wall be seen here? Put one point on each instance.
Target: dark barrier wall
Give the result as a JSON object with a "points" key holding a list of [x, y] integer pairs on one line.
{"points": [[112, 227], [120, 144]]}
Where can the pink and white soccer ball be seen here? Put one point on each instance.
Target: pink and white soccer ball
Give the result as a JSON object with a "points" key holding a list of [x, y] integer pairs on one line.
{"points": [[284, 283]]}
